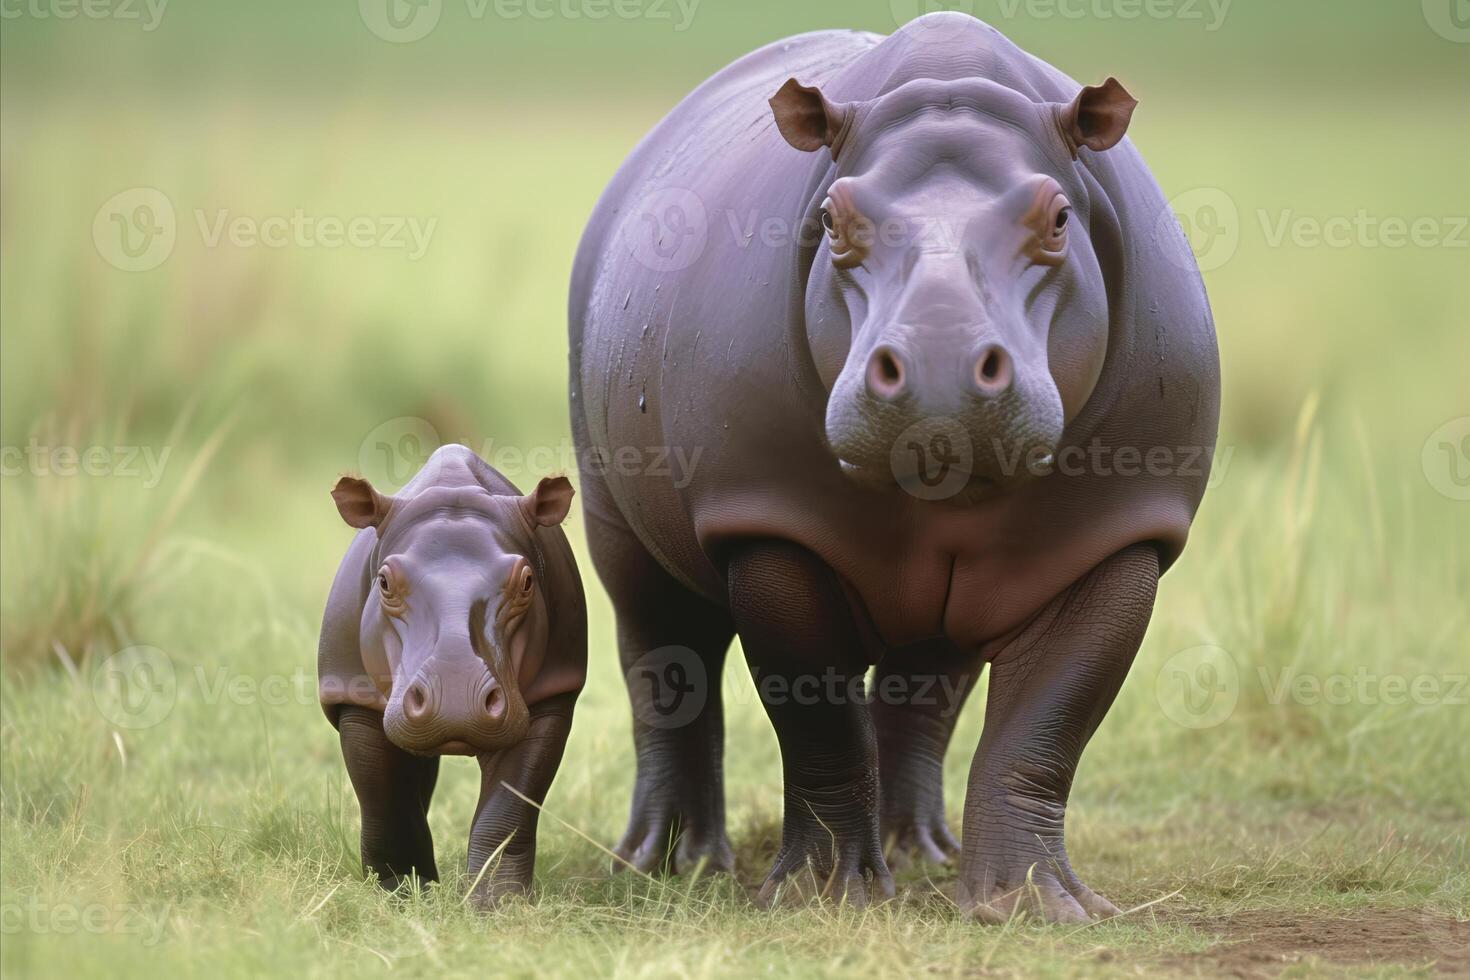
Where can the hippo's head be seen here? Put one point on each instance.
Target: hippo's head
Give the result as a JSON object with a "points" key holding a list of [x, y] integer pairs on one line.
{"points": [[455, 625], [957, 307]]}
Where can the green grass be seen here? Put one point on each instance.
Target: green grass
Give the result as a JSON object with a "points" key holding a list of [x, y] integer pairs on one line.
{"points": [[222, 838]]}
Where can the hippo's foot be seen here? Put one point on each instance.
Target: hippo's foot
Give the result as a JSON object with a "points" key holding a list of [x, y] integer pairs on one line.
{"points": [[496, 889], [918, 835], [661, 841], [1012, 876], [815, 862]]}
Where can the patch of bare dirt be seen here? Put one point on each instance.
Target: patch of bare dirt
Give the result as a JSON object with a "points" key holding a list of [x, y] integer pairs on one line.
{"points": [[1264, 943]]}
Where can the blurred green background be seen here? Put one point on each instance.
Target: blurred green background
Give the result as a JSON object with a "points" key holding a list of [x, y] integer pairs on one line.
{"points": [[1317, 153]]}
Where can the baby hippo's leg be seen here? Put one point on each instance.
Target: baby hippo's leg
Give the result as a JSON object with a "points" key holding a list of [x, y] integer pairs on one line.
{"points": [[393, 792]]}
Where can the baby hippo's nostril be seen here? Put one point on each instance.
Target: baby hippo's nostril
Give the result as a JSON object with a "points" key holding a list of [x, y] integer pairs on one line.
{"points": [[416, 702], [887, 377], [993, 371], [494, 703]]}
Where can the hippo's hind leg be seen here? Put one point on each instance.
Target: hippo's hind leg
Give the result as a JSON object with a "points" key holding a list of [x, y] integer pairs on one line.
{"points": [[672, 645], [804, 653], [393, 792], [917, 695], [1049, 690]]}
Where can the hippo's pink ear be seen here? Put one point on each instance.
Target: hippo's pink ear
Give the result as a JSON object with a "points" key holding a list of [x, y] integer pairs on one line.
{"points": [[806, 118], [359, 504], [548, 504], [1099, 116]]}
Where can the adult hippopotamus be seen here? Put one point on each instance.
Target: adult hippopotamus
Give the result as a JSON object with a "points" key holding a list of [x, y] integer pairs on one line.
{"points": [[925, 321], [456, 625]]}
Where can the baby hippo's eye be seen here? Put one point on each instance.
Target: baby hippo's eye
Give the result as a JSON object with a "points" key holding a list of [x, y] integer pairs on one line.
{"points": [[519, 593], [1062, 216], [383, 582], [827, 222]]}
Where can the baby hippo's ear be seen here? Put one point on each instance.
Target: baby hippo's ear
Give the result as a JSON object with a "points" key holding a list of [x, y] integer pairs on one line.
{"points": [[1098, 118], [547, 505], [359, 504]]}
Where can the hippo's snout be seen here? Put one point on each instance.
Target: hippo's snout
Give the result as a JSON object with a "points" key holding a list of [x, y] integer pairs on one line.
{"points": [[454, 705], [944, 406], [891, 375], [993, 371]]}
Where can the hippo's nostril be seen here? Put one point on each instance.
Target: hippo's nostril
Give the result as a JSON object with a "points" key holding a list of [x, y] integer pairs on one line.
{"points": [[415, 702], [886, 374], [993, 370], [494, 703]]}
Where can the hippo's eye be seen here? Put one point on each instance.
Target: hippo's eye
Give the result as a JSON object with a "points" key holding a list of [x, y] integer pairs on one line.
{"points": [[528, 582], [1050, 217], [827, 222], [393, 603]]}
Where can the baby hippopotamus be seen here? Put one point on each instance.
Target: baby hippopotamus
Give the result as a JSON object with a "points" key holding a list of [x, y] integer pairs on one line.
{"points": [[456, 626]]}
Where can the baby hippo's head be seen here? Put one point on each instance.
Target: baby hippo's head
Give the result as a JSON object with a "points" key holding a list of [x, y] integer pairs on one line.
{"points": [[455, 624]]}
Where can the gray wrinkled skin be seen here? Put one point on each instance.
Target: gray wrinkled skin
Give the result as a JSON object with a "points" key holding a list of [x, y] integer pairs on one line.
{"points": [[747, 359], [934, 425]]}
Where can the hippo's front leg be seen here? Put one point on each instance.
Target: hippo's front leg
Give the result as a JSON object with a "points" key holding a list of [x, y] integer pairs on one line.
{"points": [[1049, 690], [393, 792], [796, 628], [502, 817], [918, 692]]}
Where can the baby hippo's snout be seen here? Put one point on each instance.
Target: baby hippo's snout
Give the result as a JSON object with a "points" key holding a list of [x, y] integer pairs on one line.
{"points": [[454, 705]]}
